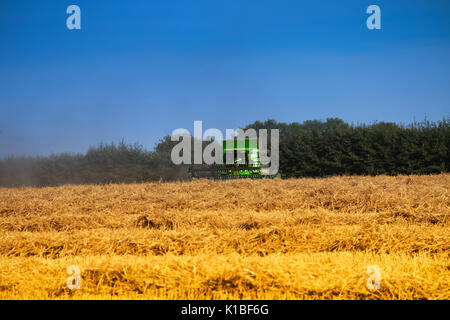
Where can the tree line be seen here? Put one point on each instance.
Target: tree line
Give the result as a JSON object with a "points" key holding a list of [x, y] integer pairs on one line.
{"points": [[309, 149], [102, 164], [334, 147]]}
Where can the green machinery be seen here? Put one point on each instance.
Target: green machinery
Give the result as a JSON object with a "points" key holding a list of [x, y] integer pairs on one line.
{"points": [[246, 163]]}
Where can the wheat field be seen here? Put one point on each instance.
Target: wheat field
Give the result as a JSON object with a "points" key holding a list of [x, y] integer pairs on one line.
{"points": [[266, 239]]}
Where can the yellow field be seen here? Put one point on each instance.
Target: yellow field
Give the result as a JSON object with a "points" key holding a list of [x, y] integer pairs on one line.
{"points": [[269, 239]]}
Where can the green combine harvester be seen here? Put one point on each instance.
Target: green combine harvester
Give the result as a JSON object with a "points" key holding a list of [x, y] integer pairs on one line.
{"points": [[246, 164]]}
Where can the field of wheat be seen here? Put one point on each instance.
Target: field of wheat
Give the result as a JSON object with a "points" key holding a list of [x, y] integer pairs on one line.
{"points": [[267, 239]]}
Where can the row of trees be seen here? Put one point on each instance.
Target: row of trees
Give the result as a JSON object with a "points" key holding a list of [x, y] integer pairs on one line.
{"points": [[333, 147], [308, 149], [113, 163]]}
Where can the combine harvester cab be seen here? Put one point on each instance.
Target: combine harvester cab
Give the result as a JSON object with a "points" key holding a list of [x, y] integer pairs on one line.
{"points": [[246, 163]]}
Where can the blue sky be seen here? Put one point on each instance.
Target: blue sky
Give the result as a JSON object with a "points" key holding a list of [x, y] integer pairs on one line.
{"points": [[140, 69]]}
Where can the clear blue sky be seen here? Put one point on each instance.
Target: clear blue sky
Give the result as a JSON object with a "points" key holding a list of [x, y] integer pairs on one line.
{"points": [[139, 69]]}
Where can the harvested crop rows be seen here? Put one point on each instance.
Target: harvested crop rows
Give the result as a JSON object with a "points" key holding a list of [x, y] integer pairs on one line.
{"points": [[267, 239]]}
